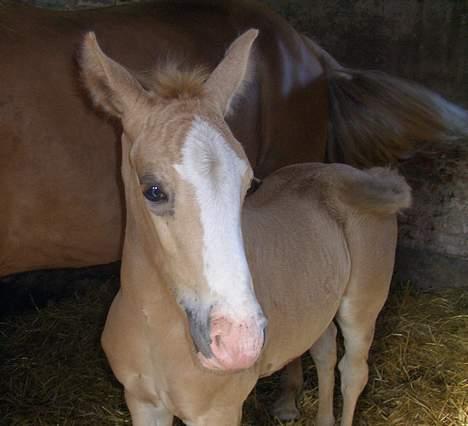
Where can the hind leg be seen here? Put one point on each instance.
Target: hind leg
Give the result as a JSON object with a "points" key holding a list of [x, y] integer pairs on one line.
{"points": [[357, 326], [323, 353], [371, 241], [291, 383]]}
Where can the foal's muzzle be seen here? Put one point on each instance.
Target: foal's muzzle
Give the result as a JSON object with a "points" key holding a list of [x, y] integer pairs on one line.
{"points": [[225, 343]]}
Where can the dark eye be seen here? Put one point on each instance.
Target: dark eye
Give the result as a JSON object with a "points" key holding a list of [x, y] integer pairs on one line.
{"points": [[155, 194]]}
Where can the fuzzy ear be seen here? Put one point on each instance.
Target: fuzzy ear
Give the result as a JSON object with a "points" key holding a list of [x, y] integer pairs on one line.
{"points": [[227, 78], [111, 86]]}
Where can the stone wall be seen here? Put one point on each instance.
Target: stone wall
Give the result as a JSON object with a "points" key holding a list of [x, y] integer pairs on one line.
{"points": [[422, 40]]}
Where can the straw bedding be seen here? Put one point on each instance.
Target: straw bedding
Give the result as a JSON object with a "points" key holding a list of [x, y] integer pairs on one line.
{"points": [[52, 371]]}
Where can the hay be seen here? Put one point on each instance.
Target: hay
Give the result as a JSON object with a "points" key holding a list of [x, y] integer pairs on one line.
{"points": [[53, 372]]}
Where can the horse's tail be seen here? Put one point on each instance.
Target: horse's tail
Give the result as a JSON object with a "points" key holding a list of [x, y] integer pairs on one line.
{"points": [[376, 119], [377, 190]]}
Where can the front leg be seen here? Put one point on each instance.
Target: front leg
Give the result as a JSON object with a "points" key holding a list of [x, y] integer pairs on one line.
{"points": [[146, 413]]}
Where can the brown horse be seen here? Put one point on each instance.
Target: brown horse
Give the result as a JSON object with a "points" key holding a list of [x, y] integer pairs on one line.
{"points": [[61, 196], [319, 242]]}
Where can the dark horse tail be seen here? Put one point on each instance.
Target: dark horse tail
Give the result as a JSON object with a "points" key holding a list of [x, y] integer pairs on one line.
{"points": [[376, 119]]}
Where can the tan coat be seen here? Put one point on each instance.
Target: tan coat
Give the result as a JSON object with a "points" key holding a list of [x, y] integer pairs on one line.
{"points": [[317, 243]]}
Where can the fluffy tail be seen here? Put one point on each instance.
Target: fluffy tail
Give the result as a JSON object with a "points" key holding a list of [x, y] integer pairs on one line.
{"points": [[377, 119], [378, 190]]}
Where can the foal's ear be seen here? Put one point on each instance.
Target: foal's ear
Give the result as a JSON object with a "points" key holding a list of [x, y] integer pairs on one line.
{"points": [[227, 78], [111, 86]]}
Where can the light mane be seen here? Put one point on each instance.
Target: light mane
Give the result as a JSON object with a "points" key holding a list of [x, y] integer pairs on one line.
{"points": [[171, 81]]}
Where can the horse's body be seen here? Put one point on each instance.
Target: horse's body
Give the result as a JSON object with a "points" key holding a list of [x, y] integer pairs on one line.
{"points": [[62, 201], [314, 242]]}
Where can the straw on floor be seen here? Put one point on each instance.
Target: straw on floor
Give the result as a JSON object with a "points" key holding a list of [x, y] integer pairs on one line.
{"points": [[52, 371]]}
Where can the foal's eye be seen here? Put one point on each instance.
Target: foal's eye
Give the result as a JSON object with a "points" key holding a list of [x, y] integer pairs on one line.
{"points": [[155, 194]]}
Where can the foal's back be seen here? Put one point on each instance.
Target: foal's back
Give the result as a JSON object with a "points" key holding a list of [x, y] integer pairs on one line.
{"points": [[311, 230]]}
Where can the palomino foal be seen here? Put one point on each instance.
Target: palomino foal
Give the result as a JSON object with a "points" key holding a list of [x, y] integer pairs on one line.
{"points": [[186, 333]]}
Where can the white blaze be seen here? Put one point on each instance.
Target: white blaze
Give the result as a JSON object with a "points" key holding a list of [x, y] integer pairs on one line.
{"points": [[215, 171]]}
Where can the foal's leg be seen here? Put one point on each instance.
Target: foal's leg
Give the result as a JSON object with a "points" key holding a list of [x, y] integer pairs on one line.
{"points": [[353, 366], [357, 326], [291, 383], [372, 258], [146, 413], [324, 354]]}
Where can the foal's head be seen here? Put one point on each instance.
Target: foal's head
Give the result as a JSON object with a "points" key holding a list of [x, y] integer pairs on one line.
{"points": [[185, 178]]}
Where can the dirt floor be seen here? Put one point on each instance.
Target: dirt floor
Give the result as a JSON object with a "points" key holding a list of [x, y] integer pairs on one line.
{"points": [[53, 371]]}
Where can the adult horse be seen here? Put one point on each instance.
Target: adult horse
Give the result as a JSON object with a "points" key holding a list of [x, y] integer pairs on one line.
{"points": [[61, 196]]}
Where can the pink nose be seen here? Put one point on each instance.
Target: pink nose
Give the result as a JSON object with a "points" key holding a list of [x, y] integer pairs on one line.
{"points": [[234, 345]]}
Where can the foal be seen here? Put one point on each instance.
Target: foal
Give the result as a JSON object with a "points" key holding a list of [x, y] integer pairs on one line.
{"points": [[187, 333]]}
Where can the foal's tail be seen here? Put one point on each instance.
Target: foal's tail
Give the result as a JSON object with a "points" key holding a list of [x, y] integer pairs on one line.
{"points": [[377, 119], [377, 190]]}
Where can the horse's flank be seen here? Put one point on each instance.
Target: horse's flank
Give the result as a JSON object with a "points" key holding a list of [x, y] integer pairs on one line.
{"points": [[56, 154]]}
